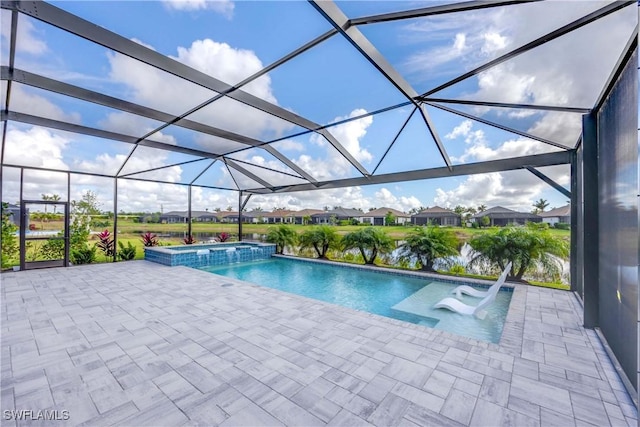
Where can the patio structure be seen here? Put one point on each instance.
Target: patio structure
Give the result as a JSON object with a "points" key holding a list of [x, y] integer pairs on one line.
{"points": [[90, 337]]}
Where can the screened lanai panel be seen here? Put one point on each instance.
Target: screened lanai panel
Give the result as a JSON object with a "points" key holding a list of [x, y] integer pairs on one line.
{"points": [[358, 9], [568, 71], [210, 200], [3, 94], [332, 81], [559, 127], [469, 141], [262, 158], [51, 105], [153, 163], [76, 61], [242, 32], [10, 185], [234, 116], [216, 175], [5, 20], [188, 138], [413, 149], [271, 176], [144, 196], [243, 180], [368, 138], [36, 146], [431, 50], [37, 184], [314, 154]]}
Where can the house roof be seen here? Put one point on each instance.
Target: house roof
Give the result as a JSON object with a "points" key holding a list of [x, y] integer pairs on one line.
{"points": [[434, 212], [562, 211], [280, 213], [381, 212], [305, 212], [343, 212], [500, 212]]}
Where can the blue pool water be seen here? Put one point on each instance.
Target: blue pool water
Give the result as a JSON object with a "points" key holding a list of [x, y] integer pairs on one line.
{"points": [[397, 296]]}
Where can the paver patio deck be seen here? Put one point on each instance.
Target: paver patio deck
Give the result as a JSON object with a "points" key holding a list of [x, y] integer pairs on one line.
{"points": [[138, 343]]}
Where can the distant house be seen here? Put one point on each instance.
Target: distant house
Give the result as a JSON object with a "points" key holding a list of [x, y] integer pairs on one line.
{"points": [[437, 216], [339, 214], [557, 215], [279, 216], [14, 214], [300, 216], [499, 216], [378, 216]]}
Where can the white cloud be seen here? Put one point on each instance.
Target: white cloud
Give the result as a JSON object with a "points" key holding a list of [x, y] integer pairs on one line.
{"points": [[129, 124], [36, 147], [29, 40], [384, 198], [462, 129], [223, 7], [25, 101]]}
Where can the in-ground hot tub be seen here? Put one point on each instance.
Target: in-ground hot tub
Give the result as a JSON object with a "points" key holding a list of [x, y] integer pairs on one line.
{"points": [[209, 254]]}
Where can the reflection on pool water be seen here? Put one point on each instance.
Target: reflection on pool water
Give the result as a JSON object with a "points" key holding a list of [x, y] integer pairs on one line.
{"points": [[401, 297]]}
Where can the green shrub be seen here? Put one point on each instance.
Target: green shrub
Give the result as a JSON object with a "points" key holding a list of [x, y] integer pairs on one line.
{"points": [[457, 269], [126, 253], [562, 226], [83, 255]]}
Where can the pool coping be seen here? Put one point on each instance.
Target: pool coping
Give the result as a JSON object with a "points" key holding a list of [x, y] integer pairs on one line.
{"points": [[507, 286]]}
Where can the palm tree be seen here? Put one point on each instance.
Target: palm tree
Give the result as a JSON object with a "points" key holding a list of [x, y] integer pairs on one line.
{"points": [[525, 247], [282, 236], [321, 239], [370, 241], [541, 205], [55, 198], [428, 244], [482, 208]]}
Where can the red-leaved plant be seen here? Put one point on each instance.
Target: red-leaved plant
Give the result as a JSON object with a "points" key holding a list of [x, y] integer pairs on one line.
{"points": [[149, 239], [106, 244], [224, 236], [189, 240]]}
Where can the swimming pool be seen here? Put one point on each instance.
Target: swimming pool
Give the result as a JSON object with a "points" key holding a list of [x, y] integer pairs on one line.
{"points": [[397, 296]]}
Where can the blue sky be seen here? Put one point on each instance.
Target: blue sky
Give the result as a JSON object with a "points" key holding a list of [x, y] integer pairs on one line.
{"points": [[329, 83]]}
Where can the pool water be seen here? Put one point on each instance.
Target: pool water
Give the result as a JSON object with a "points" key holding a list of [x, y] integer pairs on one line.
{"points": [[396, 296]]}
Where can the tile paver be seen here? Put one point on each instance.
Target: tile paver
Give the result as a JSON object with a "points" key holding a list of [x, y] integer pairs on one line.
{"points": [[138, 343]]}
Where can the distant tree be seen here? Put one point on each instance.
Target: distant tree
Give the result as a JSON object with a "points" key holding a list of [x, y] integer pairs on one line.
{"points": [[55, 198], [257, 209], [389, 218], [326, 208], [372, 209], [482, 208], [417, 210], [282, 236], [333, 220], [229, 208], [321, 239], [485, 221], [428, 244], [306, 219], [217, 209], [370, 241], [540, 205], [460, 210]]}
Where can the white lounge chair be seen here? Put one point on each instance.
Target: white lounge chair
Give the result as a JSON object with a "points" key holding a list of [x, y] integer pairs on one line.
{"points": [[477, 310], [474, 292]]}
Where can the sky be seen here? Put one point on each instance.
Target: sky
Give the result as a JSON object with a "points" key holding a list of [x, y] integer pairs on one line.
{"points": [[327, 84]]}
